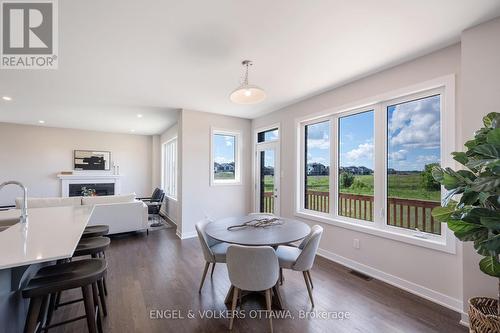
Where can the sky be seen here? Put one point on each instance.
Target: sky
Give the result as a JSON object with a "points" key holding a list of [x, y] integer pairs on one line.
{"points": [[413, 135], [223, 148]]}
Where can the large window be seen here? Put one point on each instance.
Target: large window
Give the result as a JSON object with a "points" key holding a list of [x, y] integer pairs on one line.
{"points": [[317, 166], [413, 148], [371, 167], [225, 157], [170, 168], [355, 171]]}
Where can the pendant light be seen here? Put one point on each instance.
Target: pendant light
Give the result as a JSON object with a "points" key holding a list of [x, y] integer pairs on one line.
{"points": [[247, 93]]}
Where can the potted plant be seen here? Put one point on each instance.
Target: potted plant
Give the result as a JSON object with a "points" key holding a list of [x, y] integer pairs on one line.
{"points": [[475, 216]]}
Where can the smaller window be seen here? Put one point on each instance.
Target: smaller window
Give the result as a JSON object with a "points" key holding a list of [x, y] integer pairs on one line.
{"points": [[225, 157], [268, 135], [170, 168]]}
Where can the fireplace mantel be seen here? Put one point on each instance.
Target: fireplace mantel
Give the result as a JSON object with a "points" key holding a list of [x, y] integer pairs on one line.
{"points": [[88, 178]]}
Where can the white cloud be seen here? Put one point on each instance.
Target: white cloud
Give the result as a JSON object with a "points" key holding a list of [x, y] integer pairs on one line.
{"points": [[228, 140], [364, 150], [416, 124], [222, 159], [320, 143], [427, 159], [399, 155]]}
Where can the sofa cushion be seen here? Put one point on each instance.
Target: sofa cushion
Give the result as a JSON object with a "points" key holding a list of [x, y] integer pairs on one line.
{"points": [[49, 202], [108, 199]]}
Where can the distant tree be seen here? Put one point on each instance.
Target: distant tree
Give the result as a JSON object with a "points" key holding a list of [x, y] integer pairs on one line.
{"points": [[428, 182], [346, 179]]}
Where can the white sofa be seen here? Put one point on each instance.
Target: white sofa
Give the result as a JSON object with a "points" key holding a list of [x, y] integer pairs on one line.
{"points": [[123, 213]]}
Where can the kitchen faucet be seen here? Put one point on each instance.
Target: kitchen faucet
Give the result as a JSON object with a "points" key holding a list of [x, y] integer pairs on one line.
{"points": [[24, 207]]}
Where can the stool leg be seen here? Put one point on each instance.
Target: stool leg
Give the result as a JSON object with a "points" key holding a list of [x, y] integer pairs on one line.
{"points": [[103, 299], [32, 317], [104, 285], [89, 308], [51, 309], [96, 306]]}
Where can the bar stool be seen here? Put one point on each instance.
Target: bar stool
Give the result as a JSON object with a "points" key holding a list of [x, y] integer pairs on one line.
{"points": [[50, 280], [95, 231]]}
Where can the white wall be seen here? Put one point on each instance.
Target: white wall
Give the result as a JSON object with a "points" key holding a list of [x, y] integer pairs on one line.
{"points": [[199, 199], [432, 274], [170, 207], [481, 95], [34, 155]]}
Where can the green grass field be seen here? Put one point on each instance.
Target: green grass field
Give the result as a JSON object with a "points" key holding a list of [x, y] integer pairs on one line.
{"points": [[400, 186]]}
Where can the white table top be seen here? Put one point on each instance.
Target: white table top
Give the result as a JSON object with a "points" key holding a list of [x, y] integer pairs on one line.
{"points": [[50, 234], [287, 232]]}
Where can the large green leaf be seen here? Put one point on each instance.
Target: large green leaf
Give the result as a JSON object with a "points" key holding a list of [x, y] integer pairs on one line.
{"points": [[492, 222], [442, 214], [492, 120], [469, 198], [466, 231], [490, 266], [460, 157], [478, 244], [493, 136], [488, 150], [486, 184], [475, 214], [492, 243]]}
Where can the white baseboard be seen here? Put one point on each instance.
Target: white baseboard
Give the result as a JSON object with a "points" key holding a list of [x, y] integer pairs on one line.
{"points": [[186, 235], [464, 320], [424, 292]]}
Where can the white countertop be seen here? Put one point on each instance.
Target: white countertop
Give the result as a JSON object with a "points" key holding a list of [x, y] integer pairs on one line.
{"points": [[50, 234]]}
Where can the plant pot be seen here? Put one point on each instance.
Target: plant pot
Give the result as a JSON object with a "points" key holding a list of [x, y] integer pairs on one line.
{"points": [[483, 315]]}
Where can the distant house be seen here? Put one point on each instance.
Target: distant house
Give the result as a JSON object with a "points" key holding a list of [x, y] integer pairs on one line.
{"points": [[317, 169], [224, 167]]}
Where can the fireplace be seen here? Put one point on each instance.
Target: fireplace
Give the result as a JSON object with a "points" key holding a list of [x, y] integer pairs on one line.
{"points": [[98, 189], [103, 184]]}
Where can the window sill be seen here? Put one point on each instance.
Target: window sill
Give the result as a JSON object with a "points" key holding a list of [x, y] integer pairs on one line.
{"points": [[171, 198], [228, 183], [444, 243]]}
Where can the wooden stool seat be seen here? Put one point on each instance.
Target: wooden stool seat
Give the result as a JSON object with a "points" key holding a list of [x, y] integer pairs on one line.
{"points": [[92, 246], [95, 231]]}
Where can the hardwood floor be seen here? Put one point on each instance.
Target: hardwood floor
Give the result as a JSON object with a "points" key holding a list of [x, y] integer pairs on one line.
{"points": [[161, 272]]}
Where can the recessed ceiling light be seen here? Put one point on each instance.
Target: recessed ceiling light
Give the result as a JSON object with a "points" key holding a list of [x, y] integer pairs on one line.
{"points": [[41, 121], [7, 98], [132, 130], [139, 115]]}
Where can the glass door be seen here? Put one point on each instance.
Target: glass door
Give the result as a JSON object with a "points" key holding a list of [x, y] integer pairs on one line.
{"points": [[268, 178]]}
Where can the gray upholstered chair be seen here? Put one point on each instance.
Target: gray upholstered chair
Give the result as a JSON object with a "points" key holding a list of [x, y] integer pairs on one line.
{"points": [[301, 258], [214, 251], [252, 268]]}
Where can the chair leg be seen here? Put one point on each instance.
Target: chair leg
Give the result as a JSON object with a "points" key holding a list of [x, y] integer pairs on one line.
{"points": [[207, 264], [269, 309], [101, 296], [89, 308], [308, 287], [281, 276], [233, 307], [310, 279], [213, 267], [32, 318], [97, 307]]}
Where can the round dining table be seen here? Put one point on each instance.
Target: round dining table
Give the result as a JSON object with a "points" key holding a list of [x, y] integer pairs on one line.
{"points": [[234, 231]]}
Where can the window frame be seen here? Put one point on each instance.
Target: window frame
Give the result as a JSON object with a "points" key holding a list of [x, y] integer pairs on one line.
{"points": [[167, 188], [445, 86], [237, 157]]}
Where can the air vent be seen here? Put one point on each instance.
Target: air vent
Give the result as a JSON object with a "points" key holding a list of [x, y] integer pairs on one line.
{"points": [[361, 275]]}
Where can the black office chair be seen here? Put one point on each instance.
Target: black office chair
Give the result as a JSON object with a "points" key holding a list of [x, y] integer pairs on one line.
{"points": [[154, 205]]}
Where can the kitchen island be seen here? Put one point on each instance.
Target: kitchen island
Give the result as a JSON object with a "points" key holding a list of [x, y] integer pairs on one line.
{"points": [[49, 235]]}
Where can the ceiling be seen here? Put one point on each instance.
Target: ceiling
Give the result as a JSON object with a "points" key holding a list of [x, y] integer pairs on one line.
{"points": [[121, 58]]}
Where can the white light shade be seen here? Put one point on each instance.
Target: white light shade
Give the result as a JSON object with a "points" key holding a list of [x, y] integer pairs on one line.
{"points": [[247, 94]]}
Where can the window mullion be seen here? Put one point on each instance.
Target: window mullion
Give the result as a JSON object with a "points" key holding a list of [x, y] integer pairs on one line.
{"points": [[379, 195], [334, 141]]}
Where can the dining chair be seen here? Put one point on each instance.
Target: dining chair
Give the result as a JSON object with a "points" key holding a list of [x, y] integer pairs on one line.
{"points": [[252, 268], [301, 258], [214, 251]]}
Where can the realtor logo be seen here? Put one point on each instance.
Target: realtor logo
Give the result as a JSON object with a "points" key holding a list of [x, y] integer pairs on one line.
{"points": [[29, 34]]}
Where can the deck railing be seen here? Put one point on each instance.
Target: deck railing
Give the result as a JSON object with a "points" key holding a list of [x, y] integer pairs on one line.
{"points": [[405, 213]]}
